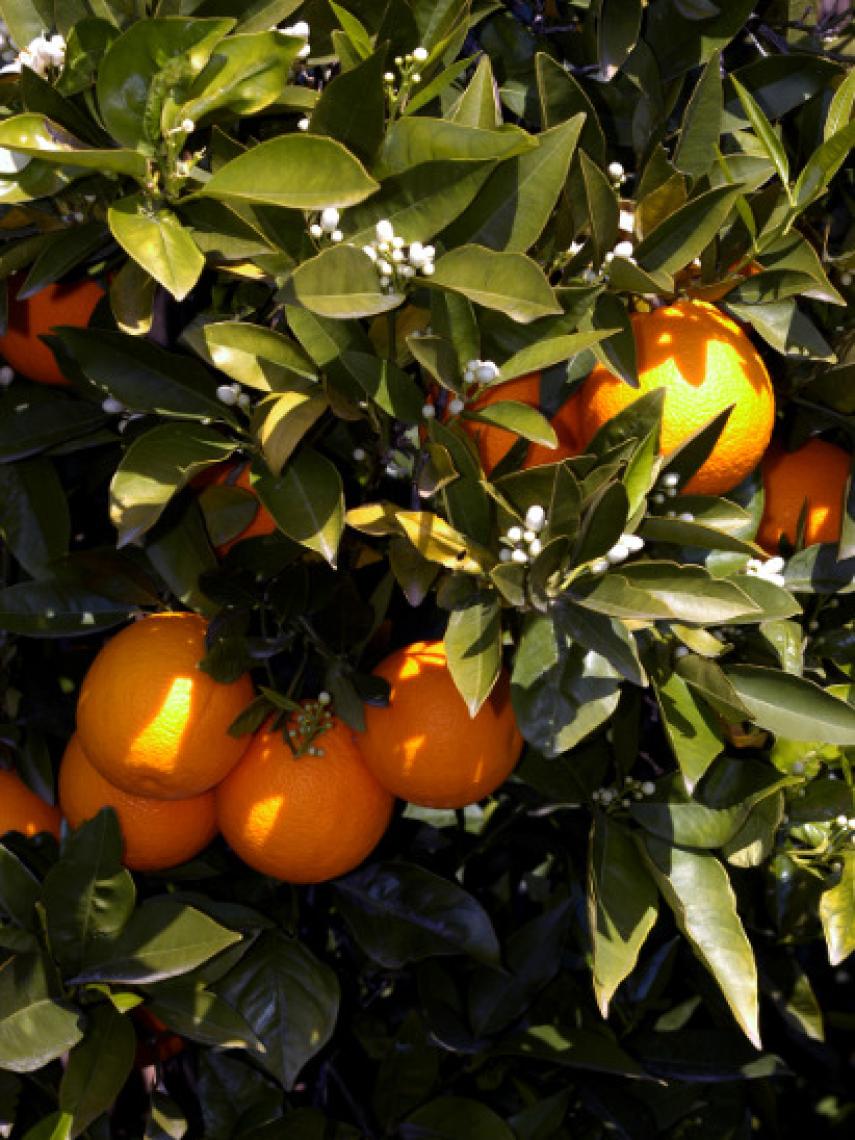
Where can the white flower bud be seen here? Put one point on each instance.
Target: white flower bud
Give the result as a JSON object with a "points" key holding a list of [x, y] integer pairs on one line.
{"points": [[407, 271], [633, 542], [520, 557], [616, 170], [429, 252], [336, 236], [686, 516], [383, 230], [315, 230], [329, 219], [397, 256], [227, 395], [420, 54], [624, 249], [504, 554], [428, 411], [456, 406], [626, 221], [428, 269], [618, 553], [370, 251], [244, 402], [600, 565], [486, 371], [303, 124], [398, 242], [388, 77], [416, 78], [304, 52], [514, 534], [188, 126], [535, 547], [648, 787], [7, 375], [358, 454], [672, 479], [529, 536], [535, 518], [841, 821], [385, 268], [112, 406]]}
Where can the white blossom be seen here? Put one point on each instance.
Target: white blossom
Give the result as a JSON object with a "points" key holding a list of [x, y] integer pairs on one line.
{"points": [[329, 219], [624, 249], [112, 406], [383, 230], [420, 54], [456, 406], [303, 124], [535, 518], [227, 395], [7, 375], [616, 170], [12, 161]]}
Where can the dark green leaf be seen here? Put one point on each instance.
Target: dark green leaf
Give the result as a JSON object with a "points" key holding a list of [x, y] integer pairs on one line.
{"points": [[686, 232], [98, 1067], [340, 282], [701, 125], [307, 502], [509, 282], [34, 518], [451, 1117], [35, 1027]]}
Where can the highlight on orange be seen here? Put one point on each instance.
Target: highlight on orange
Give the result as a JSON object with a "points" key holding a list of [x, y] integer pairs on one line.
{"points": [[22, 810], [30, 318], [157, 834], [231, 474], [425, 747], [303, 818], [494, 443], [150, 721], [815, 473], [706, 363]]}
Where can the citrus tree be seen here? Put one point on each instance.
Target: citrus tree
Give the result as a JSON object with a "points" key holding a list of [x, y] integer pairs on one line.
{"points": [[459, 396]]}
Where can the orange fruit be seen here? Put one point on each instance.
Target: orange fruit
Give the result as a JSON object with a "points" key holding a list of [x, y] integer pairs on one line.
{"points": [[306, 818], [52, 306], [817, 472], [155, 1042], [237, 475], [494, 443], [150, 720], [706, 363], [157, 833], [424, 746], [22, 810]]}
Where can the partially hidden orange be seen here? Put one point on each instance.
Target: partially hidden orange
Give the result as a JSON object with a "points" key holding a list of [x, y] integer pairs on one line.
{"points": [[230, 474], [22, 810], [303, 818], [28, 319], [157, 834], [150, 721], [814, 473], [706, 363], [424, 746]]}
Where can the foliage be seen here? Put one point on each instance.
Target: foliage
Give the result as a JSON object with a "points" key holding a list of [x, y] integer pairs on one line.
{"points": [[642, 932]]}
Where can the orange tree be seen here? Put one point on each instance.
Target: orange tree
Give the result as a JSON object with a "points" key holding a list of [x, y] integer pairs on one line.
{"points": [[284, 257]]}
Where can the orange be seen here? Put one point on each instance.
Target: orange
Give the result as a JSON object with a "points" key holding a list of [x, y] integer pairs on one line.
{"points": [[22, 810], [303, 818], [706, 363], [494, 443], [237, 475], [150, 720], [157, 833], [425, 747], [54, 305], [155, 1042], [817, 472]]}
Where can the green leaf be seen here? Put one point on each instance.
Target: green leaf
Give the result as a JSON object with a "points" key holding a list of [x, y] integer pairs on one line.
{"points": [[193, 1011], [549, 351], [622, 907], [431, 535], [352, 108], [34, 420], [66, 251], [691, 728], [245, 74], [154, 468], [35, 1027], [822, 165], [341, 282], [792, 707], [255, 356], [451, 1117], [561, 97], [473, 643], [686, 232], [701, 126], [387, 384], [478, 105], [37, 135], [837, 912], [509, 282], [764, 131], [301, 171], [401, 913], [413, 141], [601, 207], [840, 108], [56, 607], [34, 518], [289, 999], [88, 895], [19, 890], [281, 421], [511, 415], [618, 27], [157, 241], [307, 502], [697, 888], [98, 1067]]}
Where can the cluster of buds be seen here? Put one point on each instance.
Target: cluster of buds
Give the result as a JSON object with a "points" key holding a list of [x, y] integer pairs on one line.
{"points": [[522, 544], [396, 261], [669, 485], [326, 225], [769, 570], [408, 66], [43, 54], [632, 790], [311, 720], [626, 545], [301, 31], [233, 394]]}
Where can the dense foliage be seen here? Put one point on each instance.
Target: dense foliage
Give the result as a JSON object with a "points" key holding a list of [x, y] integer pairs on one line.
{"points": [[645, 931]]}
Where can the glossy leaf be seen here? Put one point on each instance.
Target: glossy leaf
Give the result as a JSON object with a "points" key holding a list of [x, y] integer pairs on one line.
{"points": [[158, 242], [34, 516], [34, 134], [837, 912], [473, 646], [340, 282], [509, 282], [307, 502], [35, 1027], [792, 706], [701, 125], [686, 232], [98, 1067]]}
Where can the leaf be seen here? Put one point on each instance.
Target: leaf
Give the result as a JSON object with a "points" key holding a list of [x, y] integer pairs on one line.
{"points": [[35, 420], [601, 207], [792, 707], [307, 502], [37, 135], [691, 728], [764, 131], [66, 251], [157, 241], [686, 232], [509, 282], [56, 607], [19, 890], [822, 165], [162, 939], [701, 126], [281, 421], [837, 913], [245, 75], [301, 171], [193, 1011], [412, 141], [98, 1067], [289, 999], [450, 1117], [34, 518], [156, 466], [561, 96], [478, 106], [35, 1028], [387, 384], [431, 535], [88, 895], [622, 907], [340, 282], [521, 419], [549, 351], [401, 913], [618, 27], [473, 644], [840, 108], [697, 888], [352, 108]]}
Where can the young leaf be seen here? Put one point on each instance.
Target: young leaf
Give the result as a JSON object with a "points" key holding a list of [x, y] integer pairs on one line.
{"points": [[764, 131], [837, 912], [158, 242], [473, 643]]}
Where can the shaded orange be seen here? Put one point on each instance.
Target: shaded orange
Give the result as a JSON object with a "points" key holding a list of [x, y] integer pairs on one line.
{"points": [[157, 833], [304, 819], [425, 747], [54, 305], [150, 720], [705, 362], [22, 810], [817, 472], [494, 443]]}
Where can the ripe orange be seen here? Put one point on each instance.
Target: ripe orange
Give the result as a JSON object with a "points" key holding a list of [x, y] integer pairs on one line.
{"points": [[155, 1042], [817, 472], [237, 475], [494, 443], [22, 810], [425, 747], [157, 833], [303, 818], [54, 305], [150, 720], [706, 363]]}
